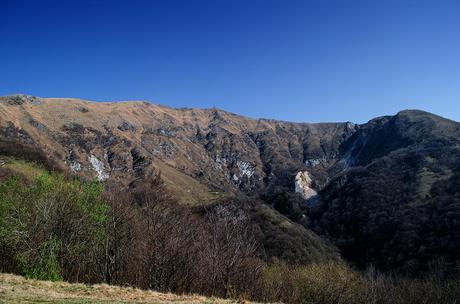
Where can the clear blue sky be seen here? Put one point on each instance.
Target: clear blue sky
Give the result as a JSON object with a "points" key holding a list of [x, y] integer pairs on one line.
{"points": [[292, 60]]}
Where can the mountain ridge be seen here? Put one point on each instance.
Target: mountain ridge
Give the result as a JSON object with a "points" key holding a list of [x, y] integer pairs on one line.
{"points": [[167, 121], [333, 178]]}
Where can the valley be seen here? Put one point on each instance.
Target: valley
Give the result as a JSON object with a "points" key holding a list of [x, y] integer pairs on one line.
{"points": [[381, 195]]}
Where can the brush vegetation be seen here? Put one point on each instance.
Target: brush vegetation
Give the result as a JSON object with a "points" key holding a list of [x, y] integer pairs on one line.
{"points": [[57, 228]]}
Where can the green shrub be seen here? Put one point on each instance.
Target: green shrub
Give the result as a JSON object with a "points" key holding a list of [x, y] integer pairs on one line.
{"points": [[44, 264], [52, 227]]}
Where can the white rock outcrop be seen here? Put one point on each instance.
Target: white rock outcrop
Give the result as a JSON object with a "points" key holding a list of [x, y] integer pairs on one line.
{"points": [[99, 167], [74, 166], [220, 163], [313, 162], [303, 183], [245, 168]]}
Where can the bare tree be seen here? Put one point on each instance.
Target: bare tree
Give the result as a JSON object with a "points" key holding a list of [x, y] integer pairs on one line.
{"points": [[231, 253]]}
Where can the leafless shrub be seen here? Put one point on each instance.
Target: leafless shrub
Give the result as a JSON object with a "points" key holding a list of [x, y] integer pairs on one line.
{"points": [[230, 255]]}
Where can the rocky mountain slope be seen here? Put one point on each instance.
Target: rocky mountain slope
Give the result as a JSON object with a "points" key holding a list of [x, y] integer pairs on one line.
{"points": [[385, 192], [202, 154]]}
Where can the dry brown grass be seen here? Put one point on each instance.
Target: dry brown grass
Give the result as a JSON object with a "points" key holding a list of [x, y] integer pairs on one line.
{"points": [[21, 167], [17, 289]]}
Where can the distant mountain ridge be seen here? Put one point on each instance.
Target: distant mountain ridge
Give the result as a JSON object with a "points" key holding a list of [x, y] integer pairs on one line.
{"points": [[384, 192]]}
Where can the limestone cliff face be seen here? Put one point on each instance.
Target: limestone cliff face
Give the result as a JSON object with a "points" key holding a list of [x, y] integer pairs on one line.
{"points": [[303, 185], [201, 153]]}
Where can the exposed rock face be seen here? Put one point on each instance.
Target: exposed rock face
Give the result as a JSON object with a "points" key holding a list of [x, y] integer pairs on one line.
{"points": [[74, 165], [303, 185], [126, 126], [99, 167], [20, 99]]}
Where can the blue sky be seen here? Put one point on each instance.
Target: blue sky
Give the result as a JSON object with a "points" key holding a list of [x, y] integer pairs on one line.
{"points": [[308, 61]]}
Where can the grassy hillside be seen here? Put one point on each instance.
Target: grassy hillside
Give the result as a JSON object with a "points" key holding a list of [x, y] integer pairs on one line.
{"points": [[17, 289], [19, 167]]}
